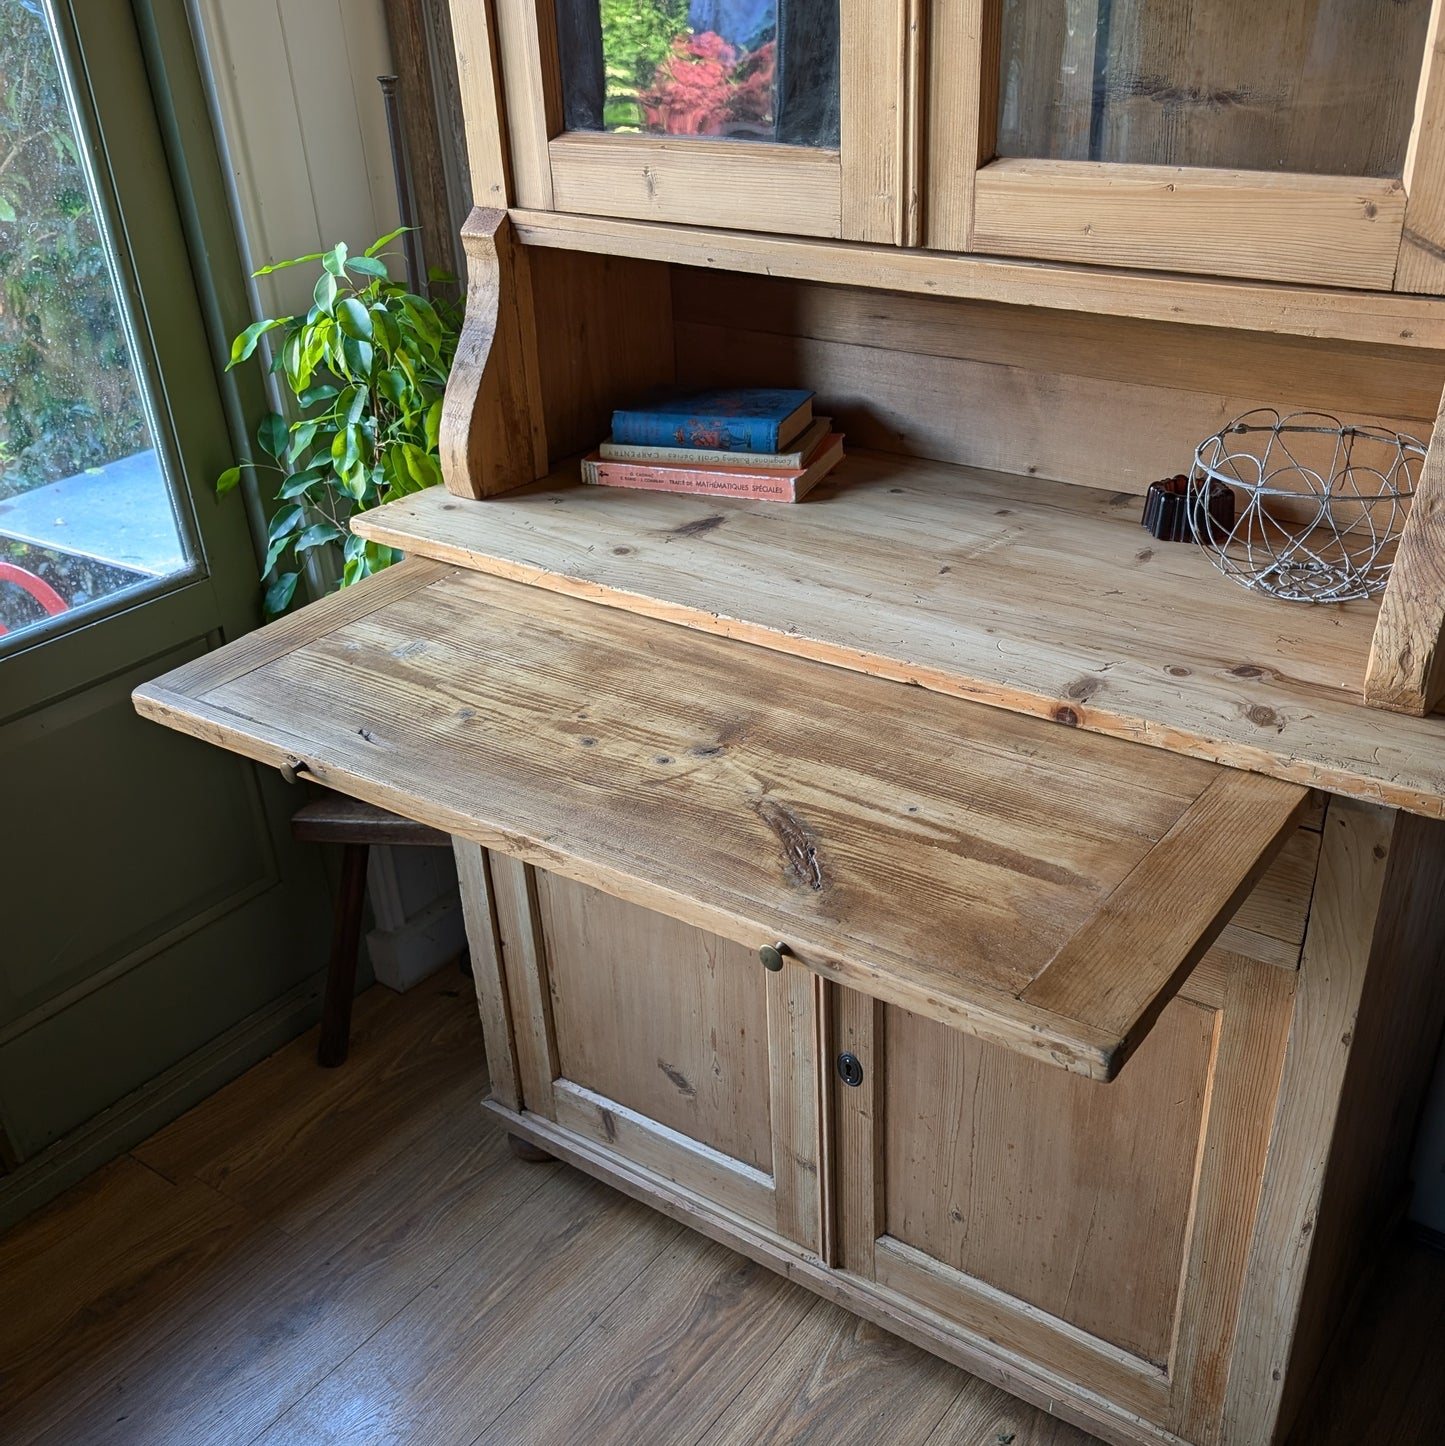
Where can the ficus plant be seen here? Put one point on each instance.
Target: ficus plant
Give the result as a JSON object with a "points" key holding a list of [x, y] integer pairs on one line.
{"points": [[367, 365]]}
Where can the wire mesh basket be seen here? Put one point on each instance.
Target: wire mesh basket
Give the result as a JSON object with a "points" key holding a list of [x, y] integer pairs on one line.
{"points": [[1319, 506]]}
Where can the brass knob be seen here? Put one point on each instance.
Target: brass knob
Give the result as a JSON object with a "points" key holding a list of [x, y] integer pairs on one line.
{"points": [[773, 955]]}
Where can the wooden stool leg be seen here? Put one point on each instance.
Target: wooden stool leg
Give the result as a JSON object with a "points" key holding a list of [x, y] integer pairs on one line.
{"points": [[341, 971]]}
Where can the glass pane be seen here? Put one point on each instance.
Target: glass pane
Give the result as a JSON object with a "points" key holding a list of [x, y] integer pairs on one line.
{"points": [[754, 70], [85, 509], [1320, 86]]}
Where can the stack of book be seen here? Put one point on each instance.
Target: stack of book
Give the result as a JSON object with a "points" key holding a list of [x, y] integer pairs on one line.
{"points": [[750, 442]]}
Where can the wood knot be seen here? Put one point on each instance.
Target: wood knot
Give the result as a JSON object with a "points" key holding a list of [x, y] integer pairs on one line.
{"points": [[1263, 717], [1246, 670], [800, 849], [698, 526], [1067, 716]]}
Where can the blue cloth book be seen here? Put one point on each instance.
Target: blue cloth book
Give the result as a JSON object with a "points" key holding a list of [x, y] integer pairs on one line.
{"points": [[720, 419]]}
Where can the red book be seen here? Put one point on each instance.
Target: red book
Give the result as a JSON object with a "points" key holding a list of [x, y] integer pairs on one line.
{"points": [[768, 484]]}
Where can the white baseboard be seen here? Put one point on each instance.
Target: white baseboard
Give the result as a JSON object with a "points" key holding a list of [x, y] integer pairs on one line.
{"points": [[401, 958]]}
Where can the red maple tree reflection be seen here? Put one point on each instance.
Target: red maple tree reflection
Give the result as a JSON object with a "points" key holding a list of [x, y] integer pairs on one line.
{"points": [[703, 89]]}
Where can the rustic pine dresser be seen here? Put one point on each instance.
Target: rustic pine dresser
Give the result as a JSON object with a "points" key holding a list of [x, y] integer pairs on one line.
{"points": [[940, 890]]}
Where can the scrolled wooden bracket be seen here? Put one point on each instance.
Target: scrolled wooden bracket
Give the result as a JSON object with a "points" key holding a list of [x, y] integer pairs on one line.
{"points": [[493, 437], [1406, 671]]}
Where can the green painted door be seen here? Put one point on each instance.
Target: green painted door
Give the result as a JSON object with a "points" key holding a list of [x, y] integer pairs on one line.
{"points": [[157, 927]]}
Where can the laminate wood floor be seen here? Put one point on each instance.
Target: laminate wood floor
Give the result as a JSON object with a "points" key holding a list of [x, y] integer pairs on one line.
{"points": [[354, 1256]]}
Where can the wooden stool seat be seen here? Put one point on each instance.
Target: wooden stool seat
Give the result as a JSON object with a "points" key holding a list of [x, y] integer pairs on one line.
{"points": [[335, 818], [356, 826]]}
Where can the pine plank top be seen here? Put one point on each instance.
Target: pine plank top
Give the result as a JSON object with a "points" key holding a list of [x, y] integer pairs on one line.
{"points": [[936, 854], [1035, 596]]}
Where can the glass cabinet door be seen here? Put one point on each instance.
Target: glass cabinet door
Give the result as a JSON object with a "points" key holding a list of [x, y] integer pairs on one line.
{"points": [[759, 115], [1217, 136]]}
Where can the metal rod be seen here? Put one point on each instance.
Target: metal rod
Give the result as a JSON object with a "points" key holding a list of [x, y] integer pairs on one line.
{"points": [[401, 169]]}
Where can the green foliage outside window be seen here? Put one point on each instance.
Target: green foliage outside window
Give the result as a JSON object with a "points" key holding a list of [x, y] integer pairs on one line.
{"points": [[637, 36], [68, 398]]}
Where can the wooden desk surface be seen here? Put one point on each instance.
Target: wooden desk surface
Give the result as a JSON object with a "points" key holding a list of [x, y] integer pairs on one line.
{"points": [[1043, 887]]}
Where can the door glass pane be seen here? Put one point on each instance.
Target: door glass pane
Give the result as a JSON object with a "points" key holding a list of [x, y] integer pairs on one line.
{"points": [[755, 70], [85, 508], [1320, 86]]}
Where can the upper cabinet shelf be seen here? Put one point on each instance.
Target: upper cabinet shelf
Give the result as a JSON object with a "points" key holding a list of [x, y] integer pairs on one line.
{"points": [[1301, 144]]}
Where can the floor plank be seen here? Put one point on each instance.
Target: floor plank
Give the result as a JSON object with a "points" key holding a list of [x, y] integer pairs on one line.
{"points": [[840, 1380], [982, 1415], [109, 1261], [287, 1139], [282, 1321], [666, 1360], [481, 1333], [354, 1256]]}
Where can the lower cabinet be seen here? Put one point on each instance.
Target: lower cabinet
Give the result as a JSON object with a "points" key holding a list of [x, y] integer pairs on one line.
{"points": [[1099, 1232], [668, 1047], [1159, 1258]]}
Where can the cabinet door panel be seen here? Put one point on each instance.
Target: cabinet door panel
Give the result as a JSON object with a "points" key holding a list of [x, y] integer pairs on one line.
{"points": [[778, 115], [668, 1046], [1316, 87], [1096, 1230], [692, 1056], [1210, 136], [1110, 1169]]}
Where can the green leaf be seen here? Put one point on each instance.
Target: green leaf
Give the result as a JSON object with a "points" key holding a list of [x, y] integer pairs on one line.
{"points": [[376, 246], [393, 385], [352, 405], [7, 211], [325, 293], [282, 265], [245, 344], [280, 593], [227, 480], [317, 534], [388, 333], [298, 483], [348, 453], [424, 319], [353, 318], [293, 358], [421, 466], [302, 435], [359, 356], [321, 392], [433, 424], [335, 259], [272, 435], [369, 267], [287, 520]]}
